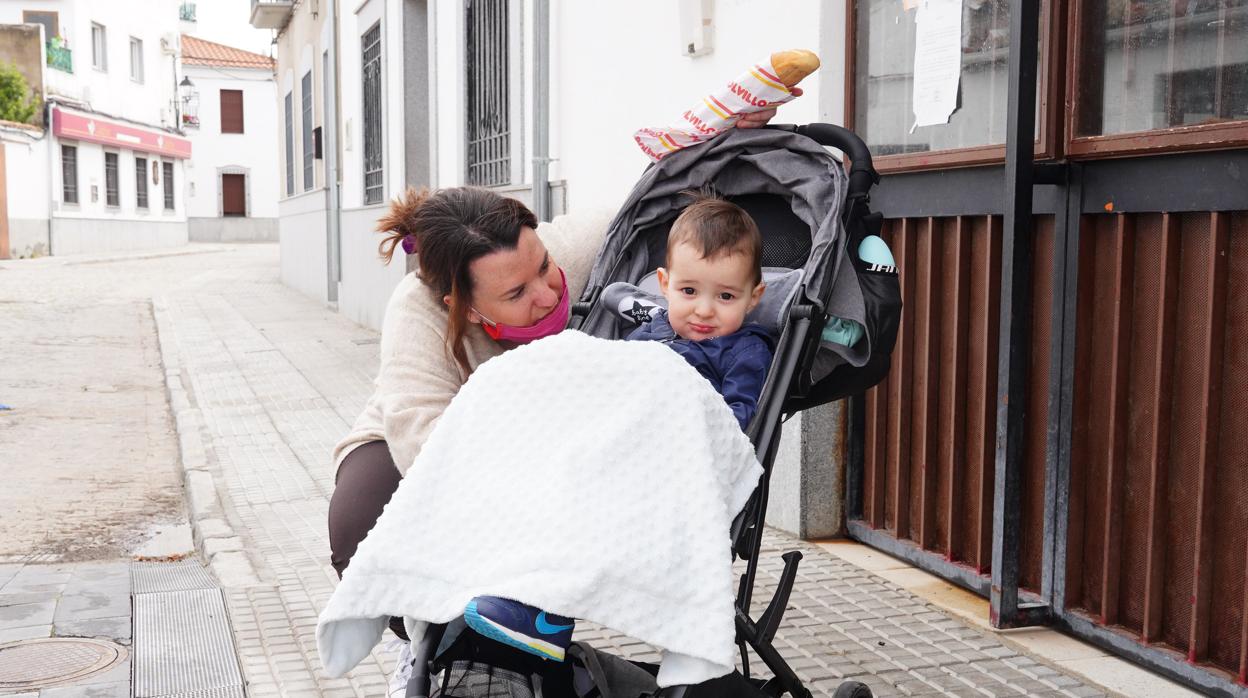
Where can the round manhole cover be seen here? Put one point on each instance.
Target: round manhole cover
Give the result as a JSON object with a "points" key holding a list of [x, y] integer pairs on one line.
{"points": [[51, 661]]}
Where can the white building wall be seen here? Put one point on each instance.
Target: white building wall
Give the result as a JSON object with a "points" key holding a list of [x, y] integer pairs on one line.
{"points": [[303, 211], [92, 226], [354, 25], [28, 184], [301, 231], [366, 280], [255, 150], [614, 69]]}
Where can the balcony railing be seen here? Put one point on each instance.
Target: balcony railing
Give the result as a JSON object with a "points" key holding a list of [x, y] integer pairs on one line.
{"points": [[270, 14], [187, 12], [60, 57]]}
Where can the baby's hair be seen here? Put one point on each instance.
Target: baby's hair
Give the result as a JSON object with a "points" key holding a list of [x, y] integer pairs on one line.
{"points": [[717, 227]]}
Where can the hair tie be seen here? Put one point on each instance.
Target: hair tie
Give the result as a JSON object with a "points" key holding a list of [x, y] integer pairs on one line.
{"points": [[409, 244]]}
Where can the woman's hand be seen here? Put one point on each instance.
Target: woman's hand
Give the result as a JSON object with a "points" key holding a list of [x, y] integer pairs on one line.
{"points": [[760, 118]]}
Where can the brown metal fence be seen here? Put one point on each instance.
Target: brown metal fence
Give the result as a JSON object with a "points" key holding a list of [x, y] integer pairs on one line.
{"points": [[1157, 537], [930, 426], [1158, 528]]}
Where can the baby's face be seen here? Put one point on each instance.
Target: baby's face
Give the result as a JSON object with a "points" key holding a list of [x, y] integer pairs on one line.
{"points": [[707, 298]]}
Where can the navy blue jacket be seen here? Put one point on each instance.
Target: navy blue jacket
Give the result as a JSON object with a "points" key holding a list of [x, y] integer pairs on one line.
{"points": [[735, 364]]}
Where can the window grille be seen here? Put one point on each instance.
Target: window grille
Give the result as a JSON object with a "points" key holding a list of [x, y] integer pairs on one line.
{"points": [[140, 182], [306, 98], [112, 196], [69, 174], [167, 177], [290, 144], [489, 123], [374, 177]]}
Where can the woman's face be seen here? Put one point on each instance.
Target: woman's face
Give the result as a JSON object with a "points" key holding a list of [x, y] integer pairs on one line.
{"points": [[515, 287]]}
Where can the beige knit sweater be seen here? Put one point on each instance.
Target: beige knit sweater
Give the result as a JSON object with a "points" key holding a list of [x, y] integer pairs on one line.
{"points": [[418, 377]]}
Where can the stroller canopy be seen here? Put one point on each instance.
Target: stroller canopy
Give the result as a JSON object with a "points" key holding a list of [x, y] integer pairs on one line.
{"points": [[789, 183]]}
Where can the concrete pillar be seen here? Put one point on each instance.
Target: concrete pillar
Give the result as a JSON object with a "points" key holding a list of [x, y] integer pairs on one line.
{"points": [[808, 478]]}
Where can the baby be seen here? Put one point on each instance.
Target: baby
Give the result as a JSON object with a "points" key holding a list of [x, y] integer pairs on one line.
{"points": [[711, 280]]}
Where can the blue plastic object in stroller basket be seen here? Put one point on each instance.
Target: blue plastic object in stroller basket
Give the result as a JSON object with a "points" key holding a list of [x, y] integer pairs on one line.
{"points": [[817, 229]]}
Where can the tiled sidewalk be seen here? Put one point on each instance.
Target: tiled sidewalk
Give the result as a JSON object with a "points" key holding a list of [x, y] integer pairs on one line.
{"points": [[264, 382], [69, 600]]}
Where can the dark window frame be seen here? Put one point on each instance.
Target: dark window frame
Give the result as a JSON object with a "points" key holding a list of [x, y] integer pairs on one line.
{"points": [[166, 181], [373, 93], [1216, 136], [69, 174], [112, 179], [1057, 108], [141, 199], [1050, 64], [241, 112], [305, 99]]}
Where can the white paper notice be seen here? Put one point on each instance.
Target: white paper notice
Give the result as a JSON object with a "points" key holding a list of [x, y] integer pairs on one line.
{"points": [[937, 61]]}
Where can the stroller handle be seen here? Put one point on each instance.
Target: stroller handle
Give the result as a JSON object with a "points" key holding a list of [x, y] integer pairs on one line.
{"points": [[862, 174]]}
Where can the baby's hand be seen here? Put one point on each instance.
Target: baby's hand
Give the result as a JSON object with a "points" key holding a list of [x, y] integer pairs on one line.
{"points": [[760, 118]]}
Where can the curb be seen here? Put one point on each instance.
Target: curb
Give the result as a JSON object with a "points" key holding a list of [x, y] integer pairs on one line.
{"points": [[214, 536], [72, 260]]}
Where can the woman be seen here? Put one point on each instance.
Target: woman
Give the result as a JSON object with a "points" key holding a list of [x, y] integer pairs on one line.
{"points": [[489, 278]]}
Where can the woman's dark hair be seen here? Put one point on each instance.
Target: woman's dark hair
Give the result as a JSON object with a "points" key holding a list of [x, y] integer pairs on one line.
{"points": [[448, 229]]}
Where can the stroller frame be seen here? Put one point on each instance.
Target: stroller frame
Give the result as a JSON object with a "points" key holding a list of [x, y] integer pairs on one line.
{"points": [[786, 391]]}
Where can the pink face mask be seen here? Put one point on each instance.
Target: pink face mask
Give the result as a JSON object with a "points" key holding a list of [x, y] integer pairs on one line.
{"points": [[554, 323]]}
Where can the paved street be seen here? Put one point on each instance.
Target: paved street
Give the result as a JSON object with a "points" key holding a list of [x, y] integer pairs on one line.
{"points": [[262, 382], [88, 447]]}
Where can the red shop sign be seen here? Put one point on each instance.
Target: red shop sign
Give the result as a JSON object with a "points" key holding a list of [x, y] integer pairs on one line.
{"points": [[94, 129]]}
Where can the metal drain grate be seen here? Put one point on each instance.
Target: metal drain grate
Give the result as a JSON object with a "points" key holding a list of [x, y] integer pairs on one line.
{"points": [[148, 577], [54, 661], [183, 644], [227, 692]]}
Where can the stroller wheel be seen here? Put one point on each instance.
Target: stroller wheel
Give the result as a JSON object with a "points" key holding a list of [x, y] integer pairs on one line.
{"points": [[853, 689]]}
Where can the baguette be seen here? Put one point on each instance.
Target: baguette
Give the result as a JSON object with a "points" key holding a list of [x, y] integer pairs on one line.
{"points": [[791, 66]]}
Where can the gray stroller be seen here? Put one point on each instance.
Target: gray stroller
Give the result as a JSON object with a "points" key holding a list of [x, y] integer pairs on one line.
{"points": [[813, 216]]}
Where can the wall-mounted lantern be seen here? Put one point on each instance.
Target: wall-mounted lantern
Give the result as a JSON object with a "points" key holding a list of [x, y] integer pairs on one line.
{"points": [[190, 103]]}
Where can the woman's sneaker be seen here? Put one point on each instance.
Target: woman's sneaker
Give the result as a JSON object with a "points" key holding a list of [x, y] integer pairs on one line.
{"points": [[518, 625], [402, 671]]}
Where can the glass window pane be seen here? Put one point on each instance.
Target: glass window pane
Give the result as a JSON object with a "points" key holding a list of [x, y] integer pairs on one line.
{"points": [[883, 83], [1155, 64]]}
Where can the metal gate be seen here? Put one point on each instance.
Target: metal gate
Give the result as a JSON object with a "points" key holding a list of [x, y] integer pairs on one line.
{"points": [[1065, 427]]}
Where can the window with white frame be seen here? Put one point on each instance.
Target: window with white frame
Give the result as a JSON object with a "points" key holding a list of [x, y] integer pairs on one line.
{"points": [[136, 59], [290, 144], [489, 99], [99, 47], [374, 161]]}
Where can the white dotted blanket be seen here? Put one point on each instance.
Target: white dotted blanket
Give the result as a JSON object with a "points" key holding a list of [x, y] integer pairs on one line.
{"points": [[594, 479]]}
